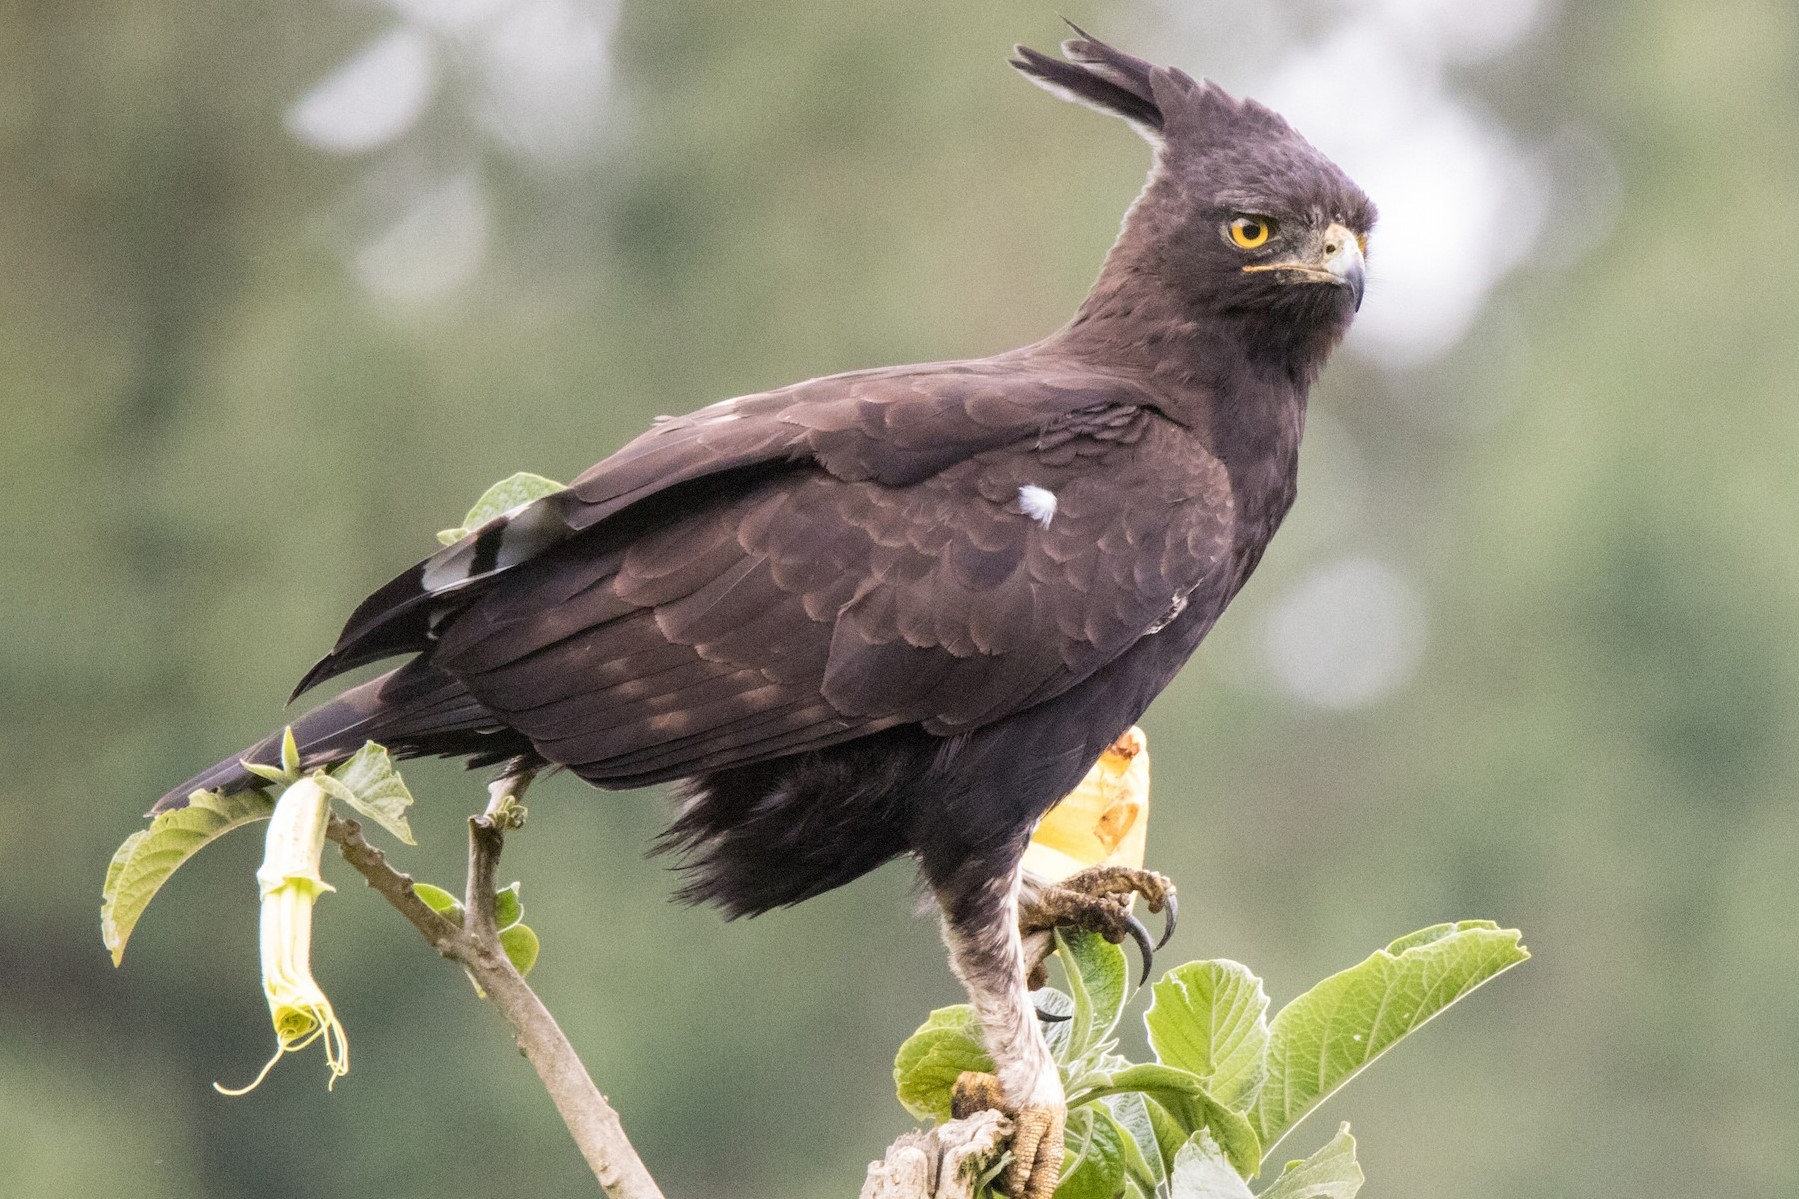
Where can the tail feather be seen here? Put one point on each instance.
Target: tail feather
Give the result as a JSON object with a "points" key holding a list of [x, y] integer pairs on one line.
{"points": [[415, 711]]}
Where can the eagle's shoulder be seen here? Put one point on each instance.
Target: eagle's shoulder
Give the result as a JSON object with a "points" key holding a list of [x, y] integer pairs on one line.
{"points": [[896, 425]]}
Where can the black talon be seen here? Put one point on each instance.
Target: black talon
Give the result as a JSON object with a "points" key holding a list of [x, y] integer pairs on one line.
{"points": [[1140, 935], [1052, 1018], [1173, 909]]}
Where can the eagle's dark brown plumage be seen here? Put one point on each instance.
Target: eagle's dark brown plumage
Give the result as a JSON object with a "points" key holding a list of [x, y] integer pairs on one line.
{"points": [[904, 610]]}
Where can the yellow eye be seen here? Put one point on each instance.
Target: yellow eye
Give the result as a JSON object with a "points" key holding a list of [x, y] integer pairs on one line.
{"points": [[1250, 231]]}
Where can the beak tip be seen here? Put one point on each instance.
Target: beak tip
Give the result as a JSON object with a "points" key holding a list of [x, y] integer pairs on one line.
{"points": [[1346, 263]]}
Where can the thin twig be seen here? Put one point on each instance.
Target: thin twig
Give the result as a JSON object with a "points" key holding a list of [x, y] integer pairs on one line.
{"points": [[476, 947], [393, 886]]}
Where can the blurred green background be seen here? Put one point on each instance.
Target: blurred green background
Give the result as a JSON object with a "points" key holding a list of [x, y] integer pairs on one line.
{"points": [[282, 288]]}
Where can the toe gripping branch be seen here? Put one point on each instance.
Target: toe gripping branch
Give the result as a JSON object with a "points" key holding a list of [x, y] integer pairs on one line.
{"points": [[1036, 1134]]}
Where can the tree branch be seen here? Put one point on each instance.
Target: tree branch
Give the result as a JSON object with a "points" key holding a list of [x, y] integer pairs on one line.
{"points": [[943, 1163], [392, 885], [946, 1162], [592, 1121]]}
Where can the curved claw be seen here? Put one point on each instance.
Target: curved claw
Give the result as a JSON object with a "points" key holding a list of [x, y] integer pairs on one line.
{"points": [[1052, 1018], [1147, 951], [1173, 908]]}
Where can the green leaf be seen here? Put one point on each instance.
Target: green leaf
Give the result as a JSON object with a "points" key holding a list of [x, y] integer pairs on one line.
{"points": [[1210, 1018], [1201, 1171], [439, 901], [1170, 1136], [1093, 1161], [277, 775], [1055, 1032], [507, 910], [1186, 1100], [521, 946], [369, 783], [1330, 1173], [926, 1067], [287, 772], [1098, 982], [502, 497], [1328, 1035], [1143, 1160], [519, 941], [120, 856], [149, 856]]}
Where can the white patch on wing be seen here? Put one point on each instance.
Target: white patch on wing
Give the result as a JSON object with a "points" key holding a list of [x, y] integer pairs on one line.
{"points": [[1176, 607], [447, 568], [530, 529], [1038, 503], [514, 536]]}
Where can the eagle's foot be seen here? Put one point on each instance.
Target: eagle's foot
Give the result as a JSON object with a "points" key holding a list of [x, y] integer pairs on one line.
{"points": [[1036, 1165], [1122, 882], [1099, 900], [975, 1092]]}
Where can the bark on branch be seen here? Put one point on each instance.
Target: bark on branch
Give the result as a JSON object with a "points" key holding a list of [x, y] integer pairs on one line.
{"points": [[475, 945], [943, 1163]]}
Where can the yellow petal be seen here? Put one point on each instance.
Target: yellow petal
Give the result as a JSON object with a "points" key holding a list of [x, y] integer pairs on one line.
{"points": [[1104, 821]]}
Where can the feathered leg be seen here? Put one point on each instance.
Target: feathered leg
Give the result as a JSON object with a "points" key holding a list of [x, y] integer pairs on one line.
{"points": [[980, 927]]}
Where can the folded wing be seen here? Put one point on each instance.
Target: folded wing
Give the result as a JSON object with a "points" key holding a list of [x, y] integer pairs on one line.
{"points": [[790, 570]]}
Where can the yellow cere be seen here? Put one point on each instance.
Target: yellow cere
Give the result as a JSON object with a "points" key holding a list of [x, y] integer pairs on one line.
{"points": [[1102, 822], [1250, 231]]}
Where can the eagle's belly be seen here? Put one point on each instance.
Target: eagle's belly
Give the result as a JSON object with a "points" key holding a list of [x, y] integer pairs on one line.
{"points": [[777, 832]]}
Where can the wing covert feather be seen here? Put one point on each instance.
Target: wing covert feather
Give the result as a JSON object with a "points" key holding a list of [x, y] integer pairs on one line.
{"points": [[810, 607]]}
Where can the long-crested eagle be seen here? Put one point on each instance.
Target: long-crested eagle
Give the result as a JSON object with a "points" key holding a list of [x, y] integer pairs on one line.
{"points": [[902, 611]]}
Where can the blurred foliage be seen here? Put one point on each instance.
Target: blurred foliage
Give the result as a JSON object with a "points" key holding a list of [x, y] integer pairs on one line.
{"points": [[1595, 491]]}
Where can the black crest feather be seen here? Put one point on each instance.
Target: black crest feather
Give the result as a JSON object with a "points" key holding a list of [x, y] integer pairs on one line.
{"points": [[1096, 75]]}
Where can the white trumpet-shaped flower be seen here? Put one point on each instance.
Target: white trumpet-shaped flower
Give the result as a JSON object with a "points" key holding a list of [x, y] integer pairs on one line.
{"points": [[290, 882]]}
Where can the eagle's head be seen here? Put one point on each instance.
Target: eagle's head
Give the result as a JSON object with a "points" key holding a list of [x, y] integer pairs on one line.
{"points": [[1242, 218]]}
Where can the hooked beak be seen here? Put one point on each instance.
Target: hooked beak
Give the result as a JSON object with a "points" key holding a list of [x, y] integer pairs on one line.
{"points": [[1339, 261]]}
